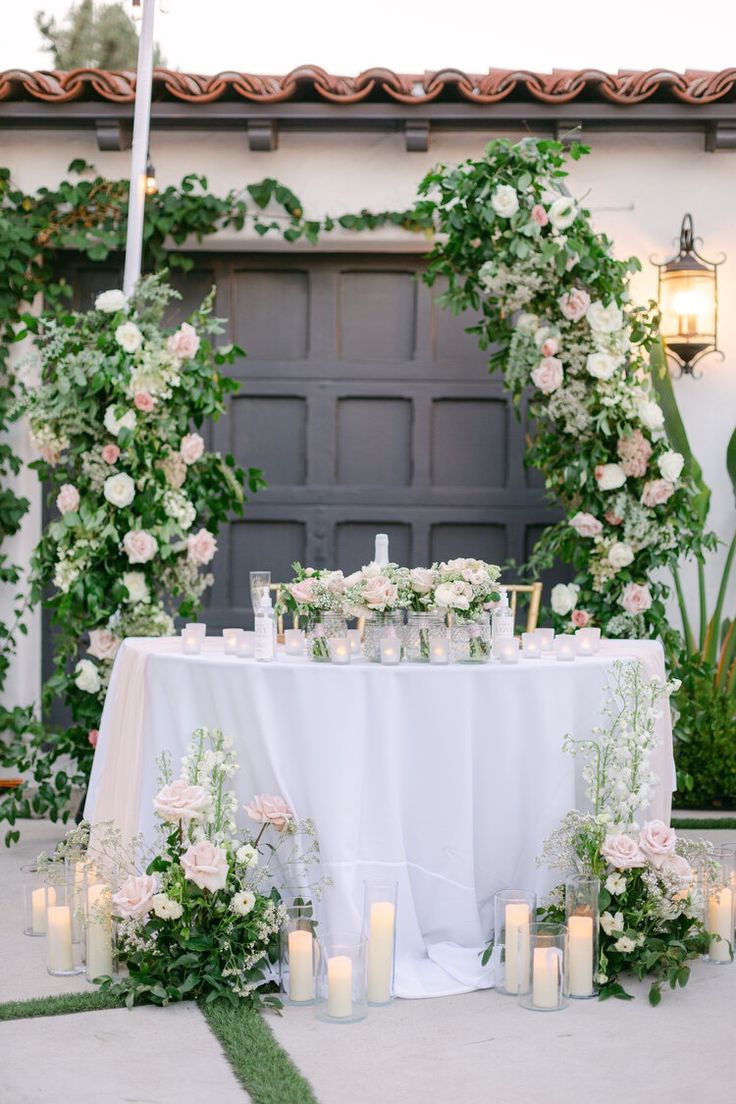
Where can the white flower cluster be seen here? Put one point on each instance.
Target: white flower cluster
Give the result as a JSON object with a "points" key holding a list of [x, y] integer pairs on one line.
{"points": [[209, 763], [180, 509]]}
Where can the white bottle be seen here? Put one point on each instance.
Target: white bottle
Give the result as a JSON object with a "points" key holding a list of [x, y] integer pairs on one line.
{"points": [[502, 624], [265, 643], [380, 556]]}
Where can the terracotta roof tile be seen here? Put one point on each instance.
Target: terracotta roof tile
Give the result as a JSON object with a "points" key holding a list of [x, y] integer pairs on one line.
{"points": [[309, 82]]}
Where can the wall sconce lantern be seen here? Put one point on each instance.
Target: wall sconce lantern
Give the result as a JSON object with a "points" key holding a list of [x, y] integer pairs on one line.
{"points": [[151, 182], [687, 292]]}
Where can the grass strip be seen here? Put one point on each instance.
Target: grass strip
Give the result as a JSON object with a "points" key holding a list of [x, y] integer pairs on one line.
{"points": [[63, 1005], [258, 1062], [711, 823]]}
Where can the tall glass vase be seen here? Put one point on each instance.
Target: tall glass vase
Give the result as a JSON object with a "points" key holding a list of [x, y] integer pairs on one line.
{"points": [[581, 908]]}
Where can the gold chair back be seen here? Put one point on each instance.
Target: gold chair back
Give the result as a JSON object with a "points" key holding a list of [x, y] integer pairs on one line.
{"points": [[535, 590]]}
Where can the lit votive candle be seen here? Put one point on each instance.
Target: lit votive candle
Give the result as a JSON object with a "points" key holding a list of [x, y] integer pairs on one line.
{"points": [[354, 638], [588, 641], [192, 636], [546, 976], [294, 642], [531, 646], [59, 940], [390, 650], [232, 640], [247, 644], [301, 973], [340, 650], [439, 650], [546, 639], [580, 956], [720, 922], [508, 651], [565, 648], [340, 987], [381, 951]]}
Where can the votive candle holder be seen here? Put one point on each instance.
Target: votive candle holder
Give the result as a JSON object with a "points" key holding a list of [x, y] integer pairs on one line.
{"points": [[588, 641], [355, 641], [531, 647], [192, 636], [247, 644], [513, 909], [546, 638], [508, 651], [340, 650], [565, 648], [294, 642], [543, 982], [390, 649], [232, 640]]}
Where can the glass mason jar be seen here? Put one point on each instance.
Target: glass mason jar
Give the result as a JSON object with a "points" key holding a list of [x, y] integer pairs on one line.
{"points": [[470, 638], [319, 634], [420, 627], [376, 624]]}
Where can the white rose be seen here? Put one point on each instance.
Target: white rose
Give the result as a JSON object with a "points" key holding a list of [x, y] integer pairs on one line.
{"points": [[110, 301], [136, 586], [671, 465], [610, 476], [527, 323], [650, 414], [453, 595], [620, 555], [103, 644], [114, 424], [119, 489], [139, 546], [625, 945], [602, 365], [129, 337], [505, 201], [191, 448], [86, 676], [563, 212], [564, 598], [422, 580], [604, 319]]}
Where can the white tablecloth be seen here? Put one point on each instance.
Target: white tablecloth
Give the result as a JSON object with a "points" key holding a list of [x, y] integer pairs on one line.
{"points": [[445, 779]]}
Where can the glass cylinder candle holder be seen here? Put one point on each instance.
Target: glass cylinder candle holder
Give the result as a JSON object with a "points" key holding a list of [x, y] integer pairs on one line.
{"points": [[530, 646], [247, 644], [78, 871], [546, 638], [35, 900], [341, 978], [720, 898], [513, 910], [340, 650], [355, 642], [565, 648], [418, 633], [294, 642], [583, 920], [588, 641], [192, 636], [379, 929], [232, 640], [299, 954], [99, 931], [542, 986], [508, 650], [64, 953]]}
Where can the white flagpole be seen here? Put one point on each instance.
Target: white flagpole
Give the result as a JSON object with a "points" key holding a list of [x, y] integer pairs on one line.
{"points": [[139, 153]]}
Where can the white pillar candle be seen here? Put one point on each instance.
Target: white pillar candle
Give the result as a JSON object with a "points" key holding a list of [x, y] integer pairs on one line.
{"points": [[99, 932], [340, 986], [580, 956], [720, 922], [517, 950], [59, 939], [301, 974], [39, 899], [232, 640], [439, 650], [381, 951], [247, 645], [354, 638], [390, 650], [546, 970], [340, 650]]}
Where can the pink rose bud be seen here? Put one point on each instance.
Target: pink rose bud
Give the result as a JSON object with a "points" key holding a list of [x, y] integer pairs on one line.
{"points": [[92, 736], [144, 402], [110, 453], [539, 215]]}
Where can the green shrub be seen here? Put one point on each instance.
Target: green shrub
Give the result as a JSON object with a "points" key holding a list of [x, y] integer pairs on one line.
{"points": [[705, 740]]}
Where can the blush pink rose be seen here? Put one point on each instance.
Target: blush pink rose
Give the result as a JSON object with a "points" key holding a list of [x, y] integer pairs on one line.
{"points": [[539, 215], [657, 841], [191, 448], [139, 546], [144, 402], [636, 598], [205, 865], [586, 525], [678, 869], [103, 644], [574, 304], [303, 592], [548, 375], [67, 500], [201, 547], [656, 492], [580, 618], [133, 899], [611, 518], [93, 736], [180, 801], [110, 453], [550, 346], [50, 453], [270, 809], [634, 452], [184, 343], [379, 592], [422, 579], [623, 852]]}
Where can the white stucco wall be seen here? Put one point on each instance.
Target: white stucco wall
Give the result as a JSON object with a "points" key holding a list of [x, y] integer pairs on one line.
{"points": [[637, 184]]}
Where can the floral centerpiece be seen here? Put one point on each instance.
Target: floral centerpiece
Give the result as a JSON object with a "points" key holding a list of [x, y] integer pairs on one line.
{"points": [[380, 593], [199, 918], [466, 589], [317, 598], [651, 897]]}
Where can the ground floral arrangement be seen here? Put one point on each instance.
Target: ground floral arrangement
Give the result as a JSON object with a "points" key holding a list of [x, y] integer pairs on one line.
{"points": [[653, 884], [199, 918], [111, 409], [555, 306]]}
